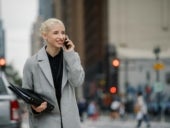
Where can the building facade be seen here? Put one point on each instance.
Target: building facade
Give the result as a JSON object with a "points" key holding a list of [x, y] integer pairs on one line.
{"points": [[136, 28], [2, 40]]}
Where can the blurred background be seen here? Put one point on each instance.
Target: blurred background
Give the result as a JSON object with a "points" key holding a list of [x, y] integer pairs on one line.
{"points": [[124, 47]]}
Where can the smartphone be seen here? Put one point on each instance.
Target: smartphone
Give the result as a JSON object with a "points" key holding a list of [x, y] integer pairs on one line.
{"points": [[66, 43]]}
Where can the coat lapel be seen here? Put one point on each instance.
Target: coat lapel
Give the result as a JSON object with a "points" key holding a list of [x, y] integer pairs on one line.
{"points": [[46, 69], [45, 65]]}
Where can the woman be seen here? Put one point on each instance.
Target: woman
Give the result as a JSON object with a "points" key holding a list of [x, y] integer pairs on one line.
{"points": [[141, 113], [54, 71]]}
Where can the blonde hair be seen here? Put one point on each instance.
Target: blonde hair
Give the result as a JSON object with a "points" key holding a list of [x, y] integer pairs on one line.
{"points": [[45, 26]]}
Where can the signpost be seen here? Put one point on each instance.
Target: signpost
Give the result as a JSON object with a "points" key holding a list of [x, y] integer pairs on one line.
{"points": [[158, 87]]}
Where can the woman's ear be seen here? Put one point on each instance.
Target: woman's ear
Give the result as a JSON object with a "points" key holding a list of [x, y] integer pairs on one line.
{"points": [[44, 35]]}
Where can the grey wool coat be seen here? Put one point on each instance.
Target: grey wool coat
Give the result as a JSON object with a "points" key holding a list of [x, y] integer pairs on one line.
{"points": [[37, 76]]}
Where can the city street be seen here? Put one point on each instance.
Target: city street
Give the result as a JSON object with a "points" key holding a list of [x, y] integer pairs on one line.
{"points": [[106, 122], [105, 60]]}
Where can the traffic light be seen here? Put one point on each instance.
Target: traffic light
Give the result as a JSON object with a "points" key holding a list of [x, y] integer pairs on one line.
{"points": [[2, 63], [113, 90], [115, 63], [115, 76]]}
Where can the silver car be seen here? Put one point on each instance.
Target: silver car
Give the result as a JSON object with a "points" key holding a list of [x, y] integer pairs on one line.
{"points": [[9, 106]]}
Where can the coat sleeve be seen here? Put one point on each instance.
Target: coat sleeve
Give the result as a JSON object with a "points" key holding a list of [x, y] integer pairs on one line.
{"points": [[27, 81], [75, 70]]}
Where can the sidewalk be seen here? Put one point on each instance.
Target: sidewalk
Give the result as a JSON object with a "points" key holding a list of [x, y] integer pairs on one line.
{"points": [[107, 122]]}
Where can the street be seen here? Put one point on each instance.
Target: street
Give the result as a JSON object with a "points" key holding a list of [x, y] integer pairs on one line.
{"points": [[106, 122]]}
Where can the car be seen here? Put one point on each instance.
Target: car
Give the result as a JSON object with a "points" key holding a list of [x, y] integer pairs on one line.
{"points": [[10, 112]]}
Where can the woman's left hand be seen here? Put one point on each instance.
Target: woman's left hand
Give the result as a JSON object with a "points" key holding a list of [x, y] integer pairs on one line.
{"points": [[70, 46]]}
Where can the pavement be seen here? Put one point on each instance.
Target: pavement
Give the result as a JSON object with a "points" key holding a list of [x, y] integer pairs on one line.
{"points": [[104, 121], [107, 122]]}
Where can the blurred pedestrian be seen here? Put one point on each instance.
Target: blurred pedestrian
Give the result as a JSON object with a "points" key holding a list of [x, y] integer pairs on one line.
{"points": [[122, 110], [82, 108], [54, 71], [92, 110], [141, 111], [115, 108]]}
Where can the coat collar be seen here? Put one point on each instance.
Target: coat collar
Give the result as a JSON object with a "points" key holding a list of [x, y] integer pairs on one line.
{"points": [[46, 69], [45, 65]]}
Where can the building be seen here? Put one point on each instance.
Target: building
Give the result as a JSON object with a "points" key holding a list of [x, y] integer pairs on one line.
{"points": [[136, 28], [2, 38]]}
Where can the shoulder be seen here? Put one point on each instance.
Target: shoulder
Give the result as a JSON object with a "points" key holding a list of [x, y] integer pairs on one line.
{"points": [[31, 59], [71, 55], [30, 62]]}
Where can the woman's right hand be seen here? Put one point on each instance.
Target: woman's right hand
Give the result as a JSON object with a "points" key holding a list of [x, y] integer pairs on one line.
{"points": [[40, 108]]}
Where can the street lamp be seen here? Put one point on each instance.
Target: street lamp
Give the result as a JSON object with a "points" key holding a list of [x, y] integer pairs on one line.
{"points": [[156, 51]]}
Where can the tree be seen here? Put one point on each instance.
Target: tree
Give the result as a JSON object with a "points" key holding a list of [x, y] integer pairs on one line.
{"points": [[13, 75]]}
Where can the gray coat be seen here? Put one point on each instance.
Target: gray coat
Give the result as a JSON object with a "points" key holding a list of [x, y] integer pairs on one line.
{"points": [[37, 76]]}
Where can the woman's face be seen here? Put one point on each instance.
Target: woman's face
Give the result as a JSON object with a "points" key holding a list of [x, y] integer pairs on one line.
{"points": [[55, 36]]}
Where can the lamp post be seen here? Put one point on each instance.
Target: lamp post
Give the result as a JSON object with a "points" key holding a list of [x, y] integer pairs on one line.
{"points": [[158, 67], [157, 51]]}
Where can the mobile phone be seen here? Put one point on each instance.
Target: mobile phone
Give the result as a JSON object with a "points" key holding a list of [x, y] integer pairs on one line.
{"points": [[66, 43]]}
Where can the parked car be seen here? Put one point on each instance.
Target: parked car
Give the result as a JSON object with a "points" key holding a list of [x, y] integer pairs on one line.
{"points": [[10, 116]]}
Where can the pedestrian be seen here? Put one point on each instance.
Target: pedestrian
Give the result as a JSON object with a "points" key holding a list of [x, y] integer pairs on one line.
{"points": [[82, 105], [92, 110], [115, 108], [141, 111], [54, 71], [122, 110]]}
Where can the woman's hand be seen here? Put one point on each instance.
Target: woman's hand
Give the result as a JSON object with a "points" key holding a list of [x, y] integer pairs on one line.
{"points": [[68, 45], [40, 108]]}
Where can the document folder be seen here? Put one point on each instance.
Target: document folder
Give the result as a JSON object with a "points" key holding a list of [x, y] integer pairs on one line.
{"points": [[30, 97]]}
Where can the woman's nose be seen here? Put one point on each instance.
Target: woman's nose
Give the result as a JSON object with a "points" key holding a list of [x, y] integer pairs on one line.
{"points": [[61, 36]]}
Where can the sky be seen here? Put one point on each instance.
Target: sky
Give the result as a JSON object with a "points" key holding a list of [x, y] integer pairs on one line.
{"points": [[18, 17]]}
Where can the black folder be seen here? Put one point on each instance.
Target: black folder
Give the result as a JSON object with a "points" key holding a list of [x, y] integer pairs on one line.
{"points": [[30, 97]]}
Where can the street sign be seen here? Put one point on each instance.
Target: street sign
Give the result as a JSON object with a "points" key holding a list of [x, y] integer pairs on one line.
{"points": [[158, 87], [158, 66]]}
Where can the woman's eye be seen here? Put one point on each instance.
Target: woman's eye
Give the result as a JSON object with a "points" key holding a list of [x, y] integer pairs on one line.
{"points": [[55, 32], [63, 33]]}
